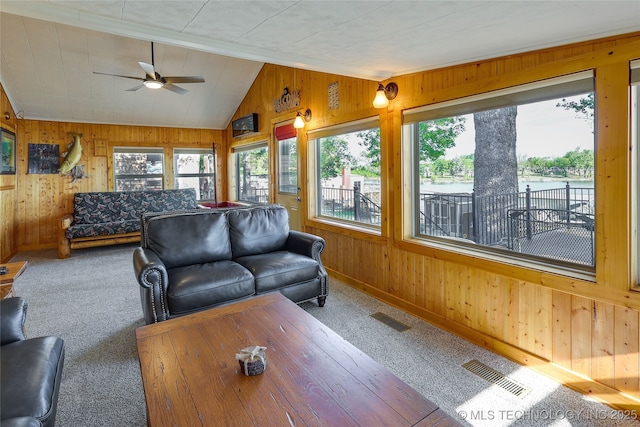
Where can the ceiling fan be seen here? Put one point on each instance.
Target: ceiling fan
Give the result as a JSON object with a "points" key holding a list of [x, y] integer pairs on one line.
{"points": [[154, 80]]}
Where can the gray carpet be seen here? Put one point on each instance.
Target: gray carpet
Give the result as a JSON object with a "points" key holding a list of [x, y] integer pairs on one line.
{"points": [[91, 300]]}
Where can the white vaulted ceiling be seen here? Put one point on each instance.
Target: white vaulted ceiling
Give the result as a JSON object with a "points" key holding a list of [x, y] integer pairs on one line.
{"points": [[50, 49]]}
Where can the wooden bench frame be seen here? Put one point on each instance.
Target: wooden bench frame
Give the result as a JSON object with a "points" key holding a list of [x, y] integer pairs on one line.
{"points": [[65, 244]]}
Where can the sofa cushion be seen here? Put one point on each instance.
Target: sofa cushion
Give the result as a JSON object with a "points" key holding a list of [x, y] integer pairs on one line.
{"points": [[258, 230], [279, 269], [188, 238], [201, 285], [114, 206], [30, 372], [21, 422], [103, 229]]}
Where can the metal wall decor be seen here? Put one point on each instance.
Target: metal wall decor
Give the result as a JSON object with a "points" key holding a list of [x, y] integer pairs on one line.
{"points": [[334, 96], [287, 101]]}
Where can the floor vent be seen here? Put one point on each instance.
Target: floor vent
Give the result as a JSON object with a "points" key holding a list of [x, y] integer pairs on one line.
{"points": [[495, 377], [391, 322]]}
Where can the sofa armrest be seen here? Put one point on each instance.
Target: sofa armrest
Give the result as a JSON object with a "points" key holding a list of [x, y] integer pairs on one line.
{"points": [[66, 221], [305, 244], [64, 245], [13, 313], [152, 277], [149, 268]]}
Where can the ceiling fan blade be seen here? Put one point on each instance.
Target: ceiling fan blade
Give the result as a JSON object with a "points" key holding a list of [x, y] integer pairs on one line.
{"points": [[148, 68], [133, 89], [174, 88], [184, 79], [118, 75]]}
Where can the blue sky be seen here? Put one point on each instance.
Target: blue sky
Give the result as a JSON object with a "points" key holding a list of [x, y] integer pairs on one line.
{"points": [[544, 130]]}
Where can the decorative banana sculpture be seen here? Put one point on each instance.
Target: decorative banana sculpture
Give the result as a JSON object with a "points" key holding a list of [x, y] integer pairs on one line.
{"points": [[73, 155]]}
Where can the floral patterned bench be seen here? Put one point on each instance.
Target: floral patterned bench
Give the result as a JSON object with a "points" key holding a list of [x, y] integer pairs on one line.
{"points": [[111, 218]]}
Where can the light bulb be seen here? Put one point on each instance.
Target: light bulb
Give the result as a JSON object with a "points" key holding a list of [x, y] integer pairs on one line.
{"points": [[380, 101], [153, 84], [298, 123]]}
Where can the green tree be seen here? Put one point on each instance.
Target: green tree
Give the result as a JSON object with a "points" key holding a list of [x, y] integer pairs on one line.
{"points": [[437, 136], [584, 107], [334, 156], [370, 140]]}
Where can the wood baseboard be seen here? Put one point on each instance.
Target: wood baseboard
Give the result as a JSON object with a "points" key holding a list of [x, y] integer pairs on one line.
{"points": [[584, 385]]}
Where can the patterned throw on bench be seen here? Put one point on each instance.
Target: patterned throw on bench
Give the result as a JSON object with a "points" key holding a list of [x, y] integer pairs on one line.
{"points": [[109, 213]]}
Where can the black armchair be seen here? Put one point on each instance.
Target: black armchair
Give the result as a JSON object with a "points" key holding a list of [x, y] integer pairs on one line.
{"points": [[30, 370]]}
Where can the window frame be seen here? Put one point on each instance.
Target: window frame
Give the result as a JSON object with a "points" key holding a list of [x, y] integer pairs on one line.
{"points": [[137, 150], [315, 182], [634, 82], [291, 138], [194, 151], [249, 147], [547, 89]]}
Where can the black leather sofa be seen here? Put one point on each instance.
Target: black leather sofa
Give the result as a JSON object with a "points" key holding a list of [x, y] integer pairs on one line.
{"points": [[30, 370], [194, 260]]}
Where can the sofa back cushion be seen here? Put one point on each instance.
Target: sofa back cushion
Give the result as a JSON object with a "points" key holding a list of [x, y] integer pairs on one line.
{"points": [[258, 230], [187, 238], [112, 206]]}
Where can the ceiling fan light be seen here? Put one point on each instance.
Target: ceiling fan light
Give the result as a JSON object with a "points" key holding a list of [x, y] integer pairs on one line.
{"points": [[153, 84]]}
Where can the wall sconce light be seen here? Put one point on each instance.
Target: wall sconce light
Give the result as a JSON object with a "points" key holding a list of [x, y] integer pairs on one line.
{"points": [[298, 123], [384, 94]]}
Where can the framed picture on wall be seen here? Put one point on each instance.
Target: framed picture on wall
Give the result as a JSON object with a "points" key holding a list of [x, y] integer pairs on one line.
{"points": [[8, 152], [43, 158]]}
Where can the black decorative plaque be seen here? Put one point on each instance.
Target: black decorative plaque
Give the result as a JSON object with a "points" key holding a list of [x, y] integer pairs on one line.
{"points": [[244, 125]]}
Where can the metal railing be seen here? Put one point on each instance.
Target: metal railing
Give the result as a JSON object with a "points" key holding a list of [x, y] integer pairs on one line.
{"points": [[350, 204], [255, 195], [490, 220]]}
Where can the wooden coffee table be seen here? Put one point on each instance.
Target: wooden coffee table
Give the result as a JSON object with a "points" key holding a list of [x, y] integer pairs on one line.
{"points": [[313, 376], [14, 269]]}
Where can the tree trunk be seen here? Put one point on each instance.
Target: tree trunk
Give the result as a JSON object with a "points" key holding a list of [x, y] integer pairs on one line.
{"points": [[495, 174]]}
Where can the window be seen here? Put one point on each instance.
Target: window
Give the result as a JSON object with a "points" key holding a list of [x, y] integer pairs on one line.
{"points": [[195, 169], [510, 172], [348, 173], [635, 184], [138, 168], [252, 173], [288, 159]]}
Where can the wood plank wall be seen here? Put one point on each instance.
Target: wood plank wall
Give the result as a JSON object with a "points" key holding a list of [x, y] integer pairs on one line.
{"points": [[585, 334], [8, 189], [43, 198]]}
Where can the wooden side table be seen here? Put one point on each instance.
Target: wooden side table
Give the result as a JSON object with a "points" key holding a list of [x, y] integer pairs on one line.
{"points": [[14, 269]]}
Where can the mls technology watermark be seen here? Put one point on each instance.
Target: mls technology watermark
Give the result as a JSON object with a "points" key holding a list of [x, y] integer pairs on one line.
{"points": [[545, 414]]}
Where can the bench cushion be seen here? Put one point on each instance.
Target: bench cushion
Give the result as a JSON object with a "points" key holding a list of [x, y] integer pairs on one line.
{"points": [[31, 372], [103, 229], [118, 212], [113, 206]]}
